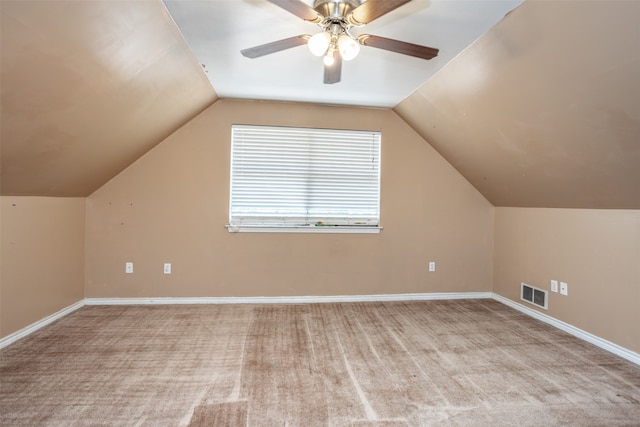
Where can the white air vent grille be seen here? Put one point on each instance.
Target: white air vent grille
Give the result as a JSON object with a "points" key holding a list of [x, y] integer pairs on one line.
{"points": [[533, 295]]}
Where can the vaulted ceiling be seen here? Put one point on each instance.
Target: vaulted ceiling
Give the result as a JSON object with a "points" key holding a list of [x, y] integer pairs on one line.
{"points": [[217, 31], [542, 110], [88, 87]]}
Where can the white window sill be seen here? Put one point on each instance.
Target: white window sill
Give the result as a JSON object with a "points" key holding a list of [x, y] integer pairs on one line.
{"points": [[304, 229]]}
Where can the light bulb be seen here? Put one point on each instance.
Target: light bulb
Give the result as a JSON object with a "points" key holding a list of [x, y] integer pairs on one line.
{"points": [[319, 43], [329, 59], [348, 47]]}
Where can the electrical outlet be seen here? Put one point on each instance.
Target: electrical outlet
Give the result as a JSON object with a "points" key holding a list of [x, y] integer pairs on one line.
{"points": [[564, 288], [167, 268], [432, 266], [554, 286], [128, 268]]}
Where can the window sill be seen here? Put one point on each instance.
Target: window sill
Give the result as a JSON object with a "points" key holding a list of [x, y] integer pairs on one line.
{"points": [[341, 229]]}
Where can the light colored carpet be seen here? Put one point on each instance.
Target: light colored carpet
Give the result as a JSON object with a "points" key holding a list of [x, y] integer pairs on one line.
{"points": [[474, 362]]}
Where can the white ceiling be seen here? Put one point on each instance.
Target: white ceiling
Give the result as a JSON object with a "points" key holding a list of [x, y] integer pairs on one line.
{"points": [[217, 30]]}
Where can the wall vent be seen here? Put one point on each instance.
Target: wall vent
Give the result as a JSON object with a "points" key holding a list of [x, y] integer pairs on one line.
{"points": [[533, 295]]}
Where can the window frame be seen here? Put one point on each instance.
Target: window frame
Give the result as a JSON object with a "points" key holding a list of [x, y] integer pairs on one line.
{"points": [[297, 222]]}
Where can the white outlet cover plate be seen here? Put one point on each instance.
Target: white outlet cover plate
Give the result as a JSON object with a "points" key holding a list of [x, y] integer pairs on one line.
{"points": [[554, 286], [564, 288]]}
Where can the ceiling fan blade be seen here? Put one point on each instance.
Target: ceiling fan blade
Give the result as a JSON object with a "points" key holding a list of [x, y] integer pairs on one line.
{"points": [[397, 46], [301, 10], [277, 46], [333, 72], [373, 9]]}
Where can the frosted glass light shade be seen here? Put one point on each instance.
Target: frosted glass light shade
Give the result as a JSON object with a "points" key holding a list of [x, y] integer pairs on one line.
{"points": [[348, 47], [319, 43]]}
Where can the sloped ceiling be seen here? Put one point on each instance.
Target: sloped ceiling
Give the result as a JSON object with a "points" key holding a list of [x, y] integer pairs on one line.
{"points": [[87, 88], [543, 110]]}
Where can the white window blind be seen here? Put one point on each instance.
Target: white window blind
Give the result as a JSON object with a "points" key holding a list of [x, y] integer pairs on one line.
{"points": [[284, 177]]}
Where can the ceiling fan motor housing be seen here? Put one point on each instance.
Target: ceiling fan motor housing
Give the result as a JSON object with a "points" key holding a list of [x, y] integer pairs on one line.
{"points": [[336, 9]]}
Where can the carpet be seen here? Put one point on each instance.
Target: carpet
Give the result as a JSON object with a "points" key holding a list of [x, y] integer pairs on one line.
{"points": [[452, 363]]}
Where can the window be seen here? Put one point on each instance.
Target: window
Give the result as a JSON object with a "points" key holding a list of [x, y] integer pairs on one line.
{"points": [[301, 179]]}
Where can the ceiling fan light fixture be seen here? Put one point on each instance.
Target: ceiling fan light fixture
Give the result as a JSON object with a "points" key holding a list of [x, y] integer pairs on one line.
{"points": [[334, 42], [348, 47], [319, 43]]}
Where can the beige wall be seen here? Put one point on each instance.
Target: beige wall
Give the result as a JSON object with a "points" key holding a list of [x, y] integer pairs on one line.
{"points": [[597, 252], [42, 258], [172, 205]]}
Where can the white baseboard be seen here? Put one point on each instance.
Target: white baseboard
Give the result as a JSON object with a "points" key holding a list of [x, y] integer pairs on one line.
{"points": [[289, 300], [577, 332], [11, 338]]}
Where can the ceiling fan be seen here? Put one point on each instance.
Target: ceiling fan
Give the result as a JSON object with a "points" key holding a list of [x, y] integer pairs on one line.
{"points": [[335, 42]]}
